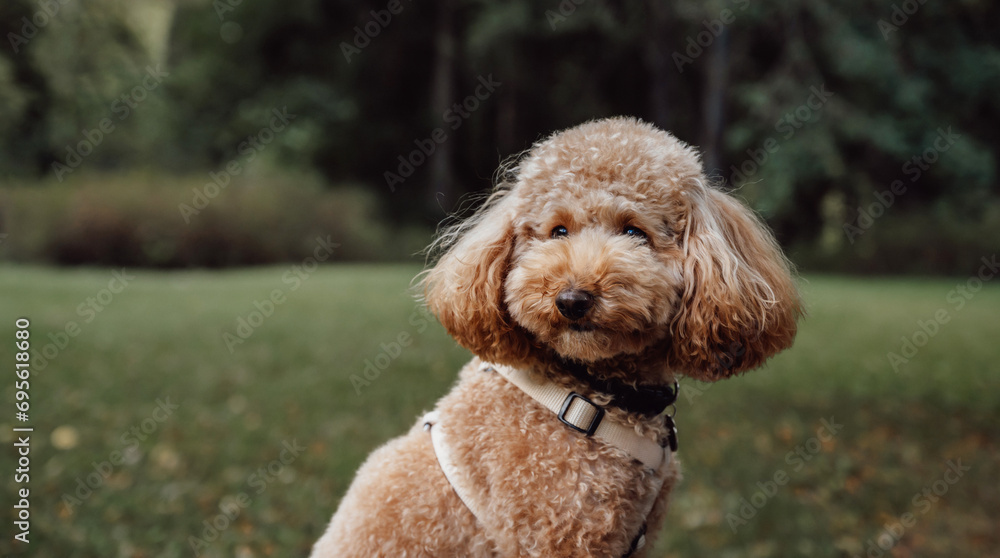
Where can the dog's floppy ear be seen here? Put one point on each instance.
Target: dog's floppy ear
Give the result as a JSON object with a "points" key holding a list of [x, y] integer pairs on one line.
{"points": [[465, 287], [740, 303]]}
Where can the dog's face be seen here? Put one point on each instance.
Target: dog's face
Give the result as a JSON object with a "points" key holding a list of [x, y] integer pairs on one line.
{"points": [[610, 243], [597, 265]]}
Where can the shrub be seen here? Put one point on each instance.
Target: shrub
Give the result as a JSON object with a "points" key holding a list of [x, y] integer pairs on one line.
{"points": [[927, 240], [136, 219]]}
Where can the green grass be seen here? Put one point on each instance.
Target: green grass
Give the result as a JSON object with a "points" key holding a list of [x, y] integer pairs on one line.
{"points": [[162, 337]]}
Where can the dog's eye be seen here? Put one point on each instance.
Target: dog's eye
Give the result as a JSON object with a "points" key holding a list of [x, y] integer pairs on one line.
{"points": [[559, 231], [635, 232]]}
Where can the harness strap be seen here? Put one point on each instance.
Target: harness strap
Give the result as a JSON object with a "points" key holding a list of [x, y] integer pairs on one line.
{"points": [[585, 416], [461, 487], [575, 411], [451, 472]]}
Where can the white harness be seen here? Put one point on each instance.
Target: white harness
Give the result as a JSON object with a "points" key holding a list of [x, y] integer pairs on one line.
{"points": [[576, 412]]}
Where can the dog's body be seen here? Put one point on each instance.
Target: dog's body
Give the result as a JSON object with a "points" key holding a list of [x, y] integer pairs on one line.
{"points": [[540, 482], [607, 262]]}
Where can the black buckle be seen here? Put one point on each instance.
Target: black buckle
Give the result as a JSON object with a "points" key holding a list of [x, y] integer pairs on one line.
{"points": [[671, 433], [594, 423], [638, 542]]}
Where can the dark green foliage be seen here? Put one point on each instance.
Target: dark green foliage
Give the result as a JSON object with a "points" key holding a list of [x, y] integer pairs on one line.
{"points": [[729, 75]]}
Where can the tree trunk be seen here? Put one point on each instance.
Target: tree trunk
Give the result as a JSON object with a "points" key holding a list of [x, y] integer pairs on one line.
{"points": [[507, 118], [441, 190], [658, 63], [714, 111]]}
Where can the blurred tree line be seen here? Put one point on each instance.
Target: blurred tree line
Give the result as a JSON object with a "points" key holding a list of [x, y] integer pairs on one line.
{"points": [[864, 132]]}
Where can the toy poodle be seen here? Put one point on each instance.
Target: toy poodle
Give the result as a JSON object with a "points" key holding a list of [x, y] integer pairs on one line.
{"points": [[602, 268]]}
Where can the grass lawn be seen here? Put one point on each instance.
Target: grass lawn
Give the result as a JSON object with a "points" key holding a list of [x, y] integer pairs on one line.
{"points": [[154, 406]]}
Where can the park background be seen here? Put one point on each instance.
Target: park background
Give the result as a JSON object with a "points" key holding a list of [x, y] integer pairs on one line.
{"points": [[211, 212]]}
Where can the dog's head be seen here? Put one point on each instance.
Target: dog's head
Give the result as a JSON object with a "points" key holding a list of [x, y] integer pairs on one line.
{"points": [[608, 244]]}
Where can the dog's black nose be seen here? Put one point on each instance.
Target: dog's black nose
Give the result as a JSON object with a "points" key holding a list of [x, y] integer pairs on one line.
{"points": [[574, 303]]}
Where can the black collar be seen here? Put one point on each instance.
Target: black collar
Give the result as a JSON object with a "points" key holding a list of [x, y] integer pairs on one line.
{"points": [[642, 399]]}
